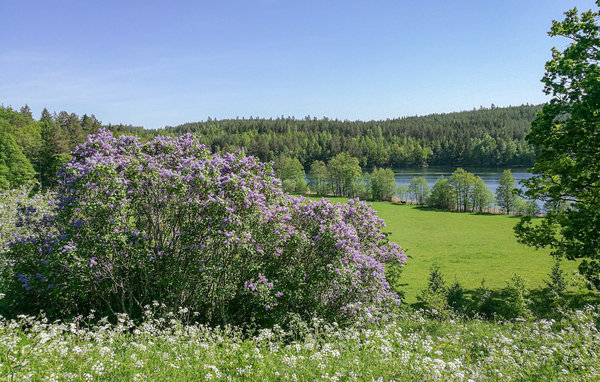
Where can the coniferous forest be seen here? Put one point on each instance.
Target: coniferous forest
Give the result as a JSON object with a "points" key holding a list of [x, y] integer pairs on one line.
{"points": [[494, 137], [491, 137]]}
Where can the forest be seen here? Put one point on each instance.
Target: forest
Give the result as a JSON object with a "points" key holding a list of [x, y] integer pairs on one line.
{"points": [[487, 137], [492, 137]]}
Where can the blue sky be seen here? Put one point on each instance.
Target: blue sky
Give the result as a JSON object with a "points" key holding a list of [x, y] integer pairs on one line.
{"points": [[157, 63]]}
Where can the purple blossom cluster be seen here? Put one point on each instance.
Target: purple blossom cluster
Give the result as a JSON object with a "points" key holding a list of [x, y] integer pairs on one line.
{"points": [[168, 220]]}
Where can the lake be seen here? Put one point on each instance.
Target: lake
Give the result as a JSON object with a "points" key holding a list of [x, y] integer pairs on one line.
{"points": [[490, 176]]}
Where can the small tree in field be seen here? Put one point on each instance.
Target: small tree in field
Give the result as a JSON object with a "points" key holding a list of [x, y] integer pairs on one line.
{"points": [[291, 173], [319, 178], [506, 197], [442, 195], [482, 198], [419, 189], [434, 296], [382, 184], [557, 285], [462, 182]]}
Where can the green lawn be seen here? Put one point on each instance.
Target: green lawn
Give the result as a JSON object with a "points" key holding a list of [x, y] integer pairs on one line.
{"points": [[468, 247]]}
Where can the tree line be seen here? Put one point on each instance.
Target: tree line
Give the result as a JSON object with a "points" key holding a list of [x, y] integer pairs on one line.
{"points": [[463, 191], [35, 149], [485, 137]]}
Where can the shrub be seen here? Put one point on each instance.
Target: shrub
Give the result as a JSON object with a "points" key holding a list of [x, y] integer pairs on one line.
{"points": [[516, 303], [442, 195], [172, 222], [291, 173], [455, 296], [556, 286], [382, 183], [17, 203], [483, 300], [434, 297], [18, 207]]}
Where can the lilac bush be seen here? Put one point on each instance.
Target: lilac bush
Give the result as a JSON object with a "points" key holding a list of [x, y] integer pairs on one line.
{"points": [[169, 221]]}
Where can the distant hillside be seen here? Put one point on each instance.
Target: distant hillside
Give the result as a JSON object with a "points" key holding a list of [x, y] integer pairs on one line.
{"points": [[35, 149], [485, 137]]}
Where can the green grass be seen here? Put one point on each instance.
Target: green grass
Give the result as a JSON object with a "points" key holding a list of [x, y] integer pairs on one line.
{"points": [[468, 247]]}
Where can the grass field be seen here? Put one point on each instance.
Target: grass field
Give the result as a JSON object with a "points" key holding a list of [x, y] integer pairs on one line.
{"points": [[468, 247]]}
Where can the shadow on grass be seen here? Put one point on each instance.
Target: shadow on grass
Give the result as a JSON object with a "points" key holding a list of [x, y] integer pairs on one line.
{"points": [[479, 213]]}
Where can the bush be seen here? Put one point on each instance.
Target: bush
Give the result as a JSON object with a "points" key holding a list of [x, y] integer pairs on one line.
{"points": [[442, 195], [527, 208], [483, 300], [516, 303], [382, 183], [170, 221], [434, 297], [556, 286], [17, 203], [455, 296], [18, 207]]}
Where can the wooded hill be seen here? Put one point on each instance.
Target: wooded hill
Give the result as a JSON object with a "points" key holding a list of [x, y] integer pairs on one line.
{"points": [[488, 137], [493, 136]]}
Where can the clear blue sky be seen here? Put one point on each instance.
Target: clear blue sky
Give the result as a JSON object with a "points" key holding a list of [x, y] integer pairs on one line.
{"points": [[156, 63]]}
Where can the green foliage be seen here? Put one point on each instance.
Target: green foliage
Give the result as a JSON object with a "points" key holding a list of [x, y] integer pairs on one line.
{"points": [[419, 189], [482, 197], [436, 283], [484, 303], [434, 296], [382, 183], [505, 193], [15, 168], [403, 192], [291, 173], [526, 208], [463, 191], [556, 286], [484, 137], [516, 303], [24, 130], [455, 296], [443, 195], [363, 187], [556, 206], [54, 144], [567, 133], [463, 184], [344, 171], [487, 137], [318, 180]]}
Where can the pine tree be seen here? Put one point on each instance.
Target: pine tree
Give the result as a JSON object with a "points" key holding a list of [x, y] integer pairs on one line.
{"points": [[54, 145]]}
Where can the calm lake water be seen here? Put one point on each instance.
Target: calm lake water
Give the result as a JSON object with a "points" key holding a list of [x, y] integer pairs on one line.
{"points": [[490, 176]]}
